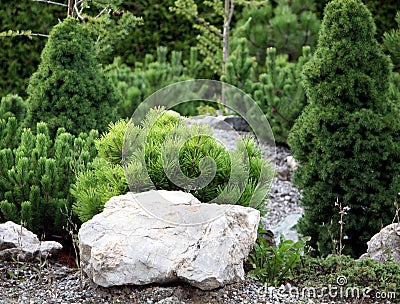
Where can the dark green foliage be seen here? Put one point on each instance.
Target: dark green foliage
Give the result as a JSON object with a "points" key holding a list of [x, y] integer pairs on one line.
{"points": [[347, 138], [384, 13], [20, 56], [12, 114], [279, 92], [152, 145], [35, 177], [160, 28], [286, 26], [69, 89]]}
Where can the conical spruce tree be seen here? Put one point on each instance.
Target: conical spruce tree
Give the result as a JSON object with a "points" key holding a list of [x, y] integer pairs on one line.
{"points": [[12, 114], [347, 140], [69, 89]]}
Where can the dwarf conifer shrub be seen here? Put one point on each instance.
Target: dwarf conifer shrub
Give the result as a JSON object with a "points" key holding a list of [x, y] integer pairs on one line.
{"points": [[240, 68], [279, 92], [116, 170], [35, 177], [284, 25], [137, 83], [347, 139], [69, 89]]}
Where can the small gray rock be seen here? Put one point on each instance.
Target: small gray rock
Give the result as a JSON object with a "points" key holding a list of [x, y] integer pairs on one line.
{"points": [[17, 242], [385, 244]]}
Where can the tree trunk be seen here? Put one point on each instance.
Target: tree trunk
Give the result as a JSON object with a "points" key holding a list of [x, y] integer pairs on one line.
{"points": [[229, 5], [70, 8]]}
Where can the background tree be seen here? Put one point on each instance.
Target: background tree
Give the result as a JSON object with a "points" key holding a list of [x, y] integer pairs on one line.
{"points": [[347, 138], [22, 22], [69, 89], [213, 41], [160, 28], [284, 25], [20, 55]]}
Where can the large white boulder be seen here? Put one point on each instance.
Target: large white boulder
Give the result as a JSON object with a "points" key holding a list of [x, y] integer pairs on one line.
{"points": [[17, 242], [385, 244], [163, 236]]}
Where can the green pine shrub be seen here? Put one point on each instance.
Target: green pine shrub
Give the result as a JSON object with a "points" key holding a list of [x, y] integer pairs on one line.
{"points": [[12, 114], [138, 83], [106, 178], [69, 89], [391, 41], [35, 177], [284, 25], [366, 274], [347, 138], [240, 68], [279, 92]]}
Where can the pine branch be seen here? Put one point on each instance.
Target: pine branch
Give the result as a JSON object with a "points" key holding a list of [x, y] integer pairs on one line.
{"points": [[78, 13], [28, 33], [51, 2], [204, 23], [102, 11]]}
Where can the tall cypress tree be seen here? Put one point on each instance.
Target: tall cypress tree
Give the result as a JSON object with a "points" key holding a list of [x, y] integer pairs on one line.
{"points": [[347, 140]]}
